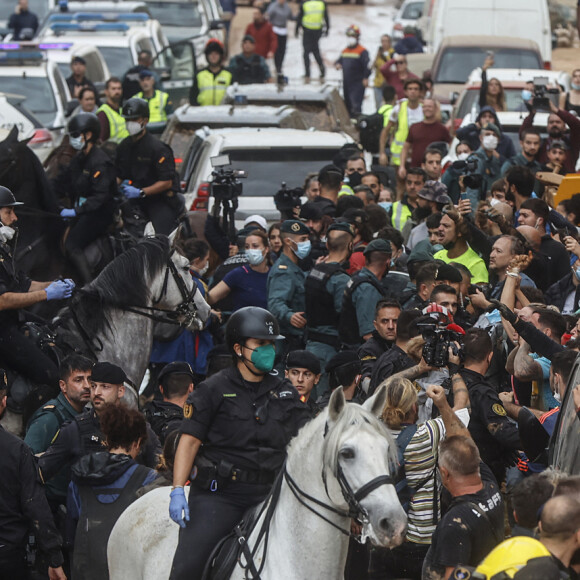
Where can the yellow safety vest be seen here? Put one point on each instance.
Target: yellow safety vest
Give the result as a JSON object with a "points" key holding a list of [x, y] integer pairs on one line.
{"points": [[385, 111], [346, 190], [401, 134], [212, 88], [313, 14], [400, 214], [117, 127], [157, 104]]}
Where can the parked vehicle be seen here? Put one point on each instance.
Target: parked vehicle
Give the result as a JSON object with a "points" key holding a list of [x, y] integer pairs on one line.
{"points": [[408, 15]]}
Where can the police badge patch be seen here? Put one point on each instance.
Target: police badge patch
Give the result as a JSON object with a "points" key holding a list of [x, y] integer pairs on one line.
{"points": [[188, 410]]}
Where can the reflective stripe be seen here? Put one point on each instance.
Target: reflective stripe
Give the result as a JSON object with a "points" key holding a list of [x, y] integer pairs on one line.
{"points": [[313, 14], [117, 126], [157, 104], [346, 190], [211, 89], [401, 134], [401, 214]]}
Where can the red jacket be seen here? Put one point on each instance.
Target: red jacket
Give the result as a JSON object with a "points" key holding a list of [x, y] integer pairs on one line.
{"points": [[265, 37]]}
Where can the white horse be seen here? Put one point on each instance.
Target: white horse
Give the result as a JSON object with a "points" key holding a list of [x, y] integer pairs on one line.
{"points": [[338, 465]]}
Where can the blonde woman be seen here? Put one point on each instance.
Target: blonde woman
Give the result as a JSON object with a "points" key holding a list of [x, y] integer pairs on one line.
{"points": [[419, 444]]}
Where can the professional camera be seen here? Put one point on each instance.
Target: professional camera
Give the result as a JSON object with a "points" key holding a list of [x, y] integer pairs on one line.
{"points": [[468, 167], [226, 184], [541, 100], [485, 288], [287, 200], [438, 339]]}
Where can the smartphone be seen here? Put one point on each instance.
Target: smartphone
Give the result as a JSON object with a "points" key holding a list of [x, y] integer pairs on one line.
{"points": [[464, 195]]}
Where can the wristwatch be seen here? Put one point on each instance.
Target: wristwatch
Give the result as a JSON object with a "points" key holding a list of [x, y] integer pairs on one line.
{"points": [[141, 193]]}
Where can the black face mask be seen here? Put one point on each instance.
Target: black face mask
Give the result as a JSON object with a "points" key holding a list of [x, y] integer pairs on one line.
{"points": [[354, 179]]}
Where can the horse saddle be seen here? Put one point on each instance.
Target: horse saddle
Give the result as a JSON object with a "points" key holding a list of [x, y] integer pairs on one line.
{"points": [[229, 549]]}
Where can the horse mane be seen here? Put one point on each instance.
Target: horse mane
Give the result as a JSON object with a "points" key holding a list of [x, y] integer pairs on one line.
{"points": [[123, 283]]}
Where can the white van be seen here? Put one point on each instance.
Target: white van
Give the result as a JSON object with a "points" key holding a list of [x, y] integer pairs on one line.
{"points": [[527, 19]]}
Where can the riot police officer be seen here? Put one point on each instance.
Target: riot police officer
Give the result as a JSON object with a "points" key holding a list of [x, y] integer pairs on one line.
{"points": [[17, 291], [146, 170], [90, 183], [244, 417]]}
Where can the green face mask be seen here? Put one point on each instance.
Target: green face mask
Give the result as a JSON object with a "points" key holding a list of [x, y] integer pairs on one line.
{"points": [[263, 357]]}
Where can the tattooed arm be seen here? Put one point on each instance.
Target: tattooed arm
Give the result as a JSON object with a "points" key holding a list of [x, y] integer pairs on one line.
{"points": [[525, 367]]}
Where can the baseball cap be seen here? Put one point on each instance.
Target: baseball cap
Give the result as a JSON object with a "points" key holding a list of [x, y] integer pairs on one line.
{"points": [[176, 367], [340, 227], [432, 190], [249, 38], [78, 59], [492, 127], [256, 219], [378, 245], [145, 73], [294, 227]]}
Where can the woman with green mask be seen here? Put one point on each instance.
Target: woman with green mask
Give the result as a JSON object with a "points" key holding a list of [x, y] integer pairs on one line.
{"points": [[236, 426]]}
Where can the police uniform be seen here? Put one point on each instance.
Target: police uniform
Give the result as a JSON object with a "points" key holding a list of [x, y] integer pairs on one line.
{"points": [[371, 351], [23, 507], [495, 435], [144, 162], [42, 428], [245, 428], [164, 417], [210, 87]]}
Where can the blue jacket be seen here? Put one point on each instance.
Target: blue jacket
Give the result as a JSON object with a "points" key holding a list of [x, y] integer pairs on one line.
{"points": [[408, 45]]}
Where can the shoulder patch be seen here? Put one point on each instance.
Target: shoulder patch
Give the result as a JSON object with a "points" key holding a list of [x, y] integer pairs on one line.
{"points": [[188, 410], [161, 160], [282, 267], [499, 410], [47, 407], [369, 357], [97, 173]]}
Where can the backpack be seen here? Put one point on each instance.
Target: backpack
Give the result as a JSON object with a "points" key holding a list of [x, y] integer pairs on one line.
{"points": [[370, 127]]}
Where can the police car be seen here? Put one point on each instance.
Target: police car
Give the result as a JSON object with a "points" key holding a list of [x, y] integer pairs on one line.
{"points": [[269, 156], [27, 71]]}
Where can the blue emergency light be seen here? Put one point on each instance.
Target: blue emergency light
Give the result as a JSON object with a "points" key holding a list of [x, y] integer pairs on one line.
{"points": [[63, 27]]}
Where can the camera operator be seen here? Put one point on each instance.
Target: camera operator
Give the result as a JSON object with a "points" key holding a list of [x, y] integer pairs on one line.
{"points": [[562, 125], [495, 435]]}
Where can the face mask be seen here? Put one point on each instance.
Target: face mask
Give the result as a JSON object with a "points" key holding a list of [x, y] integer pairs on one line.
{"points": [[354, 179], [386, 205], [134, 128], [77, 142], [557, 397], [302, 249], [493, 202], [437, 247], [255, 257], [575, 86], [351, 42], [204, 269], [576, 271], [462, 156], [490, 142], [6, 233], [263, 358], [526, 95]]}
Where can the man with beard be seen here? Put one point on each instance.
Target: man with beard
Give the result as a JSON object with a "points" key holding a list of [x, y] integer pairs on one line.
{"points": [[454, 238], [17, 292], [562, 126], [113, 127], [530, 142]]}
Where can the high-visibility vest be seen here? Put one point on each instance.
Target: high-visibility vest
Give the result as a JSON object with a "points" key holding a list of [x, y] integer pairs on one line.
{"points": [[346, 190], [117, 127], [157, 104], [400, 214], [212, 88], [313, 14], [401, 134], [385, 111]]}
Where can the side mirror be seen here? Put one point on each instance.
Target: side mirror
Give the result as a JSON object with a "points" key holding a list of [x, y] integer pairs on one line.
{"points": [[453, 97], [70, 107], [217, 24]]}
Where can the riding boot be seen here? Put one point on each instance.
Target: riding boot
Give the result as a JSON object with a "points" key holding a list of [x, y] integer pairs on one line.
{"points": [[78, 259]]}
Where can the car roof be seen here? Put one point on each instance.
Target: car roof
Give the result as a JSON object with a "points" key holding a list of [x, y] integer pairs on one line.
{"points": [[258, 138], [251, 114], [99, 6], [285, 93], [484, 41], [518, 75]]}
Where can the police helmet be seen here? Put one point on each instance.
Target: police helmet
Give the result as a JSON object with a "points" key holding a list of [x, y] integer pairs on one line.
{"points": [[214, 45], [83, 123], [135, 108], [251, 322], [7, 198]]}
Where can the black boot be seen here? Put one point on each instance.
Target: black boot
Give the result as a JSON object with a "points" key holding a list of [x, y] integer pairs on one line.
{"points": [[78, 259]]}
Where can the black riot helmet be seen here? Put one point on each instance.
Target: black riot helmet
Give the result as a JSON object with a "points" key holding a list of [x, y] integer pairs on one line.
{"points": [[83, 123], [251, 322], [135, 108], [7, 198]]}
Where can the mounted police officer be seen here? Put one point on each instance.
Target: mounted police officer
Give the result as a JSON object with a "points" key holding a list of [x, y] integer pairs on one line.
{"points": [[324, 289], [89, 181], [234, 435], [83, 435], [362, 294], [286, 299], [160, 107], [146, 170], [75, 387], [17, 292], [211, 82], [175, 384]]}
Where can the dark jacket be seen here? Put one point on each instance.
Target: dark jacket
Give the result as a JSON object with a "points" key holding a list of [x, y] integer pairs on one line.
{"points": [[557, 293], [370, 352]]}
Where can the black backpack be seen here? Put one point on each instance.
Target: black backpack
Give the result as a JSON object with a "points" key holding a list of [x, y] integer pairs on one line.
{"points": [[370, 127]]}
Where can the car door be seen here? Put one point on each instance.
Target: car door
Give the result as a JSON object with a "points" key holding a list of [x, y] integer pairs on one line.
{"points": [[177, 67]]}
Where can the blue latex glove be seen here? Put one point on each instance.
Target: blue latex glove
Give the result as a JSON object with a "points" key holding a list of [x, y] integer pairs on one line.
{"points": [[59, 290], [68, 213], [177, 506], [130, 191]]}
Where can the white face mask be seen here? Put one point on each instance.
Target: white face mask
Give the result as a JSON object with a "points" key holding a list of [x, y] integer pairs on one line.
{"points": [[77, 142], [557, 396], [462, 156], [255, 257], [134, 128], [204, 269], [6, 233], [490, 142], [351, 42], [493, 202]]}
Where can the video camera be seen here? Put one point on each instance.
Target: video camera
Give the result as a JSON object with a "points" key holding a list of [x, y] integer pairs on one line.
{"points": [[468, 167], [438, 339], [541, 100], [287, 200], [226, 184]]}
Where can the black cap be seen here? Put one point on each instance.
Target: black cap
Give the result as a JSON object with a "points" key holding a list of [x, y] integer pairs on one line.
{"points": [[311, 211], [294, 227], [330, 169], [176, 367], [344, 357], [106, 372], [303, 359], [249, 38], [448, 272], [145, 73], [378, 245], [340, 227], [78, 59]]}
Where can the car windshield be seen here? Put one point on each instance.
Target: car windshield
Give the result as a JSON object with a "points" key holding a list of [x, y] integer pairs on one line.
{"points": [[118, 58], [513, 99], [182, 14], [39, 96], [457, 62], [268, 168], [412, 11]]}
